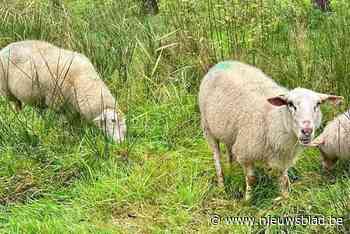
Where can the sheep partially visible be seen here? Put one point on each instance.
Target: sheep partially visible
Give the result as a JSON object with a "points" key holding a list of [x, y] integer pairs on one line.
{"points": [[256, 119], [334, 141], [39, 73]]}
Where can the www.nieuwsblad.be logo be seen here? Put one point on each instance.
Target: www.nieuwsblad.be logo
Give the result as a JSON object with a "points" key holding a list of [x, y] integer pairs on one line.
{"points": [[216, 219]]}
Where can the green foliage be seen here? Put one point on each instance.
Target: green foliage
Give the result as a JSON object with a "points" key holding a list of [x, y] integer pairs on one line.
{"points": [[60, 175]]}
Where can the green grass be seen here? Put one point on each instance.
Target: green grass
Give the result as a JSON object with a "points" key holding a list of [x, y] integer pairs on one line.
{"points": [[59, 174]]}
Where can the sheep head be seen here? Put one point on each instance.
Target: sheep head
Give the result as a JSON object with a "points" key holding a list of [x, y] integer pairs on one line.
{"points": [[112, 124], [303, 108]]}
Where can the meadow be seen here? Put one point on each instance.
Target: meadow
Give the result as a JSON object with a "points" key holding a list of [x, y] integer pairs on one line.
{"points": [[59, 174]]}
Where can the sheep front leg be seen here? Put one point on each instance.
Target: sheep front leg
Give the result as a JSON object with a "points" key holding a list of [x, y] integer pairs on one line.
{"points": [[328, 163], [284, 184], [250, 179], [16, 105]]}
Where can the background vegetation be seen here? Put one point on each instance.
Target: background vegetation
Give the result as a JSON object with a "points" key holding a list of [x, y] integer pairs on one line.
{"points": [[60, 175]]}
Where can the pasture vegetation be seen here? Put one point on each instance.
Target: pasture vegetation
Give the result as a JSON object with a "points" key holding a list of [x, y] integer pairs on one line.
{"points": [[60, 175]]}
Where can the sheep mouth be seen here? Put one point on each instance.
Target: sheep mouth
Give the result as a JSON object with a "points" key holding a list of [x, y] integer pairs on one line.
{"points": [[305, 140]]}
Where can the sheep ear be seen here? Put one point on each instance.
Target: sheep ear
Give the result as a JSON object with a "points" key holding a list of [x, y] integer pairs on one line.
{"points": [[278, 100], [336, 100]]}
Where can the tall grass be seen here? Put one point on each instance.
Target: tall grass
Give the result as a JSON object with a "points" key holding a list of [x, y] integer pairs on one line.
{"points": [[60, 175]]}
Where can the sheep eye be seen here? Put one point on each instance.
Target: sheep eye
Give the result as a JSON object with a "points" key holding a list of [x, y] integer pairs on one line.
{"points": [[113, 120], [291, 105], [317, 106]]}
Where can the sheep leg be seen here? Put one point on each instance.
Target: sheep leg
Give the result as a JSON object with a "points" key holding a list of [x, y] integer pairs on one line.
{"points": [[230, 154], [17, 105], [284, 184], [214, 144], [327, 163], [250, 179]]}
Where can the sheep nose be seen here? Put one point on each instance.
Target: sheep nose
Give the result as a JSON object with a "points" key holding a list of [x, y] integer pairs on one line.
{"points": [[306, 123], [307, 131]]}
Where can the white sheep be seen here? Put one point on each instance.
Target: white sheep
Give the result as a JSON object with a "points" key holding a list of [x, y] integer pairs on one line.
{"points": [[39, 73], [334, 141], [256, 119]]}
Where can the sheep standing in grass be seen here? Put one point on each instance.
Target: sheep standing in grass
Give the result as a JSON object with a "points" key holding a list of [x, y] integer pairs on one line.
{"points": [[39, 73], [256, 119], [334, 141]]}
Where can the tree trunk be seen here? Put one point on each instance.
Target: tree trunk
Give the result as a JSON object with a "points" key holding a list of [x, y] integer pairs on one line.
{"points": [[323, 5], [150, 7]]}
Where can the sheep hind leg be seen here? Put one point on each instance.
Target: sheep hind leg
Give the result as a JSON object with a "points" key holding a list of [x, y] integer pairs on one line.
{"points": [[230, 154], [214, 145], [250, 179]]}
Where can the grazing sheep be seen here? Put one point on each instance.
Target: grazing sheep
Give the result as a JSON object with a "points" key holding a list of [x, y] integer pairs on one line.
{"points": [[256, 119], [39, 73], [334, 141]]}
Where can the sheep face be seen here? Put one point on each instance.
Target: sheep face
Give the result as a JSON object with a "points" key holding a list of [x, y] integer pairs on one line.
{"points": [[303, 110], [112, 124]]}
